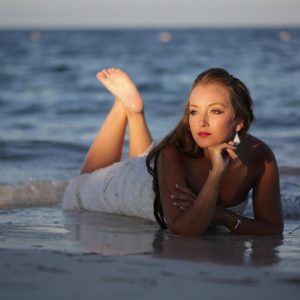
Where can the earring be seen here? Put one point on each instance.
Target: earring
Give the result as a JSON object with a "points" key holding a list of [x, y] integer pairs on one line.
{"points": [[236, 140]]}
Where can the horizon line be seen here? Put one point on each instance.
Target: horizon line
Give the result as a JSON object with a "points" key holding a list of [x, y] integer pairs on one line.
{"points": [[147, 27]]}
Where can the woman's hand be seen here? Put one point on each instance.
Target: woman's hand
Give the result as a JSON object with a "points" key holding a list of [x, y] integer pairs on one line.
{"points": [[220, 156], [184, 197]]}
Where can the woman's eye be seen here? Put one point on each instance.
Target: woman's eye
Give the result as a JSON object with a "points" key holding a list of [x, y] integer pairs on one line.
{"points": [[193, 112], [216, 111]]}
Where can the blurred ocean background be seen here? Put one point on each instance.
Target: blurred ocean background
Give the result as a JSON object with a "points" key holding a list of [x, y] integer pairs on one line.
{"points": [[51, 104]]}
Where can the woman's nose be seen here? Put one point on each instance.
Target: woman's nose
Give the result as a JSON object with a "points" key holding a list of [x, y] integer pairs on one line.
{"points": [[203, 120]]}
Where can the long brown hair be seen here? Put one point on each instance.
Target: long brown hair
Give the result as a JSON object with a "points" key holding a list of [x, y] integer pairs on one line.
{"points": [[181, 137]]}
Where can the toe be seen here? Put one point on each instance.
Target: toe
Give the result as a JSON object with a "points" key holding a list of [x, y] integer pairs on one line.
{"points": [[110, 71], [101, 75], [106, 72]]}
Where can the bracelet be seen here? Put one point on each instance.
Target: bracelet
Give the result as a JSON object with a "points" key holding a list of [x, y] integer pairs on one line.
{"points": [[238, 222]]}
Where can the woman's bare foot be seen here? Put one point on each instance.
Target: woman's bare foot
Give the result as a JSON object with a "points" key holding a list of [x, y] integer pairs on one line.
{"points": [[122, 87]]}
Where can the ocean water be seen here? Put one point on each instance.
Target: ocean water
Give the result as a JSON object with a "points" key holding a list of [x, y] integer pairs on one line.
{"points": [[51, 104]]}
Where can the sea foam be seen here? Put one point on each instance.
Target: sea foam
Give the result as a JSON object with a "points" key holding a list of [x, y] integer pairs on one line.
{"points": [[32, 193]]}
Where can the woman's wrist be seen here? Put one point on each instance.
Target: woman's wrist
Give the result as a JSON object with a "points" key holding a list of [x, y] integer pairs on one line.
{"points": [[230, 219], [215, 173]]}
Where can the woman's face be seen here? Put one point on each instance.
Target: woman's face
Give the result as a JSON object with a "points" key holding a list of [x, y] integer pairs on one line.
{"points": [[211, 115]]}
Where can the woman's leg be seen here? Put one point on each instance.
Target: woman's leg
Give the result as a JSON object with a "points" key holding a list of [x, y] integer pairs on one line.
{"points": [[139, 135], [122, 87], [106, 148]]}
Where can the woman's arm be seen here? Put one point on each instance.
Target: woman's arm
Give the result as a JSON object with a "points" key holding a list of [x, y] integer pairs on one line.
{"points": [[195, 219], [238, 224], [267, 209]]}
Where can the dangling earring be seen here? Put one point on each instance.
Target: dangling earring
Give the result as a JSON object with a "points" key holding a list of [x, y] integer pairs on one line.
{"points": [[236, 140]]}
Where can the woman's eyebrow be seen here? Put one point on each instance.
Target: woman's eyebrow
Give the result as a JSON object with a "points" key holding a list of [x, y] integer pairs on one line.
{"points": [[211, 104]]}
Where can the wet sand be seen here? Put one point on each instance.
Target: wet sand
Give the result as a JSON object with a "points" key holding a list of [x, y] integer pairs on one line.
{"points": [[50, 254]]}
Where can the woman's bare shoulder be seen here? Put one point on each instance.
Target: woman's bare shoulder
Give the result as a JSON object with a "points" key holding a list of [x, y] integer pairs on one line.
{"points": [[170, 156], [257, 149], [169, 151]]}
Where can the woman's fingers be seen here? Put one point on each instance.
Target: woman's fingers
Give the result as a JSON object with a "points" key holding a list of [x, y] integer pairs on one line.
{"points": [[231, 150], [183, 205], [221, 154], [184, 190], [183, 198], [224, 146], [232, 153]]}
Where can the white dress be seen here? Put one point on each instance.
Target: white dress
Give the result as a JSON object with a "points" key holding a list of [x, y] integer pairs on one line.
{"points": [[122, 188]]}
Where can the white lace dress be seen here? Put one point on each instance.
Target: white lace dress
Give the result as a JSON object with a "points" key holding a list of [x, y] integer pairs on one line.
{"points": [[122, 188]]}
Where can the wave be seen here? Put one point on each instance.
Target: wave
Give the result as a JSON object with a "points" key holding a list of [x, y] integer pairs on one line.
{"points": [[289, 171], [27, 109], [50, 192], [32, 149], [32, 193]]}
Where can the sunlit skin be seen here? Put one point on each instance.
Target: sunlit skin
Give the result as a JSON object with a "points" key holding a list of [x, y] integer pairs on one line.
{"points": [[127, 109], [211, 111], [195, 192], [212, 118]]}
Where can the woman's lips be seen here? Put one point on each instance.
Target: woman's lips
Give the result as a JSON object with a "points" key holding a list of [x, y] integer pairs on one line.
{"points": [[204, 134]]}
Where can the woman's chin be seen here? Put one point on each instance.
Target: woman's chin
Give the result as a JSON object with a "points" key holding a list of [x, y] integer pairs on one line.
{"points": [[204, 145]]}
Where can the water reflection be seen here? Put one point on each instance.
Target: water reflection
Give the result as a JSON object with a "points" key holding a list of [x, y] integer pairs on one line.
{"points": [[109, 234], [105, 234], [220, 248], [119, 235]]}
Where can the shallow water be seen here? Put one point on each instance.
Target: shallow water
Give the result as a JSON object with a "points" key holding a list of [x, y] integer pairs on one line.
{"points": [[110, 235]]}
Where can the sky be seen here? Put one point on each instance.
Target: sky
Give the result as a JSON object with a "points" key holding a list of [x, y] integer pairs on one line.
{"points": [[148, 13]]}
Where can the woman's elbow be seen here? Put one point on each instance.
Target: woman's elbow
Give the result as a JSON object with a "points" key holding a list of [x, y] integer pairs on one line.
{"points": [[274, 229], [279, 229]]}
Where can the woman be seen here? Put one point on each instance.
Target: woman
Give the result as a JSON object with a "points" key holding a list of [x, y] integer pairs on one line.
{"points": [[202, 171]]}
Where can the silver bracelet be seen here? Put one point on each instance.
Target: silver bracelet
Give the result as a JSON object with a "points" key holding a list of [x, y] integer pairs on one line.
{"points": [[238, 222]]}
